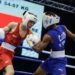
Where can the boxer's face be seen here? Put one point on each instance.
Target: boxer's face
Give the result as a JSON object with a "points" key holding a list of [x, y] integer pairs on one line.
{"points": [[30, 24]]}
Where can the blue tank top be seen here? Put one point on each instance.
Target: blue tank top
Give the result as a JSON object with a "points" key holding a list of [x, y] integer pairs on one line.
{"points": [[58, 36]]}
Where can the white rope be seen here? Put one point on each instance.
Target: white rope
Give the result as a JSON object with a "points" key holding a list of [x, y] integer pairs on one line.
{"points": [[68, 56], [70, 66], [48, 52]]}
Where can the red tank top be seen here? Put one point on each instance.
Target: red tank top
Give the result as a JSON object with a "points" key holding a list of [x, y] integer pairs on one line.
{"points": [[14, 38]]}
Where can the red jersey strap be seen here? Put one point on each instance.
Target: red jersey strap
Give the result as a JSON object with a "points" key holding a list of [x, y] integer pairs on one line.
{"points": [[17, 30], [27, 32]]}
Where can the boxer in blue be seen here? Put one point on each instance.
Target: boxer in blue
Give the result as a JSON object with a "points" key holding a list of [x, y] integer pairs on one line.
{"points": [[56, 38]]}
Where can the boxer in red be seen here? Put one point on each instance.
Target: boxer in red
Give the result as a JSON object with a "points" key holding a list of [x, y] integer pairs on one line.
{"points": [[16, 33]]}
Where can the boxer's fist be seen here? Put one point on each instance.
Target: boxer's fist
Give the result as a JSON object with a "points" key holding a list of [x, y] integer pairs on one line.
{"points": [[32, 39]]}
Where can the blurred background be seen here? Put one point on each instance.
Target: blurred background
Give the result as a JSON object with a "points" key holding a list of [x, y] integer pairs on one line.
{"points": [[25, 59]]}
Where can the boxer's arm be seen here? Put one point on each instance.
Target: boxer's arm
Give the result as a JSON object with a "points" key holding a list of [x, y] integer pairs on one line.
{"points": [[10, 26], [45, 41], [69, 33], [31, 32]]}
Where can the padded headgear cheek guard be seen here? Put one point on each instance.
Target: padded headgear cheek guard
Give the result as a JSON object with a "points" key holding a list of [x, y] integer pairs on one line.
{"points": [[29, 17], [50, 20]]}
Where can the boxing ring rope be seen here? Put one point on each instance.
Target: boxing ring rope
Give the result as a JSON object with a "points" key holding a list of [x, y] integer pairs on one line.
{"points": [[38, 60], [47, 52], [68, 56], [21, 72]]}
